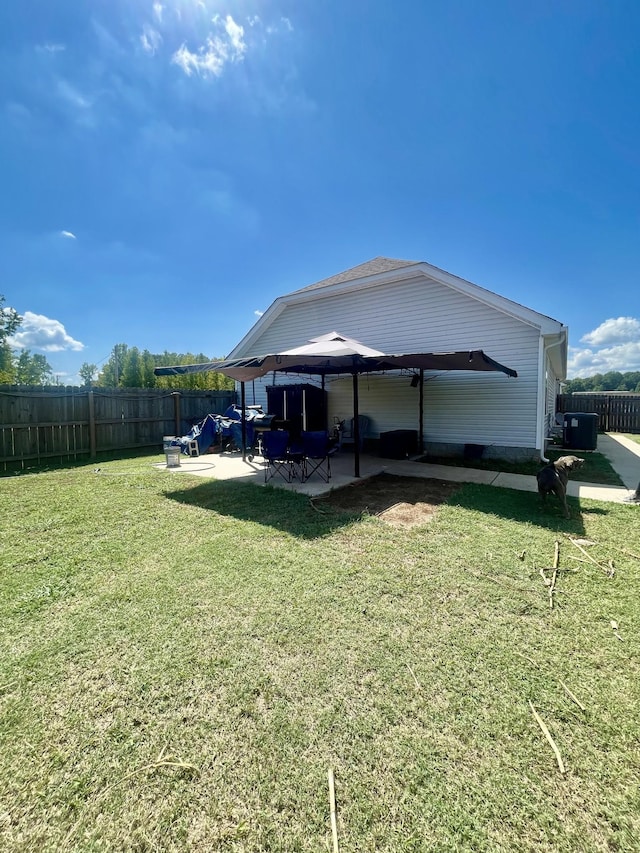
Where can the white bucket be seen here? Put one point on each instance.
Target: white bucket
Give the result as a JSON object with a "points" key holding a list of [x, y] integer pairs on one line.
{"points": [[172, 455], [166, 441]]}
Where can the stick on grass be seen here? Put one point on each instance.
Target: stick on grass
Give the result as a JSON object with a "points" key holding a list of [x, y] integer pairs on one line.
{"points": [[556, 561], [413, 675], [547, 734], [571, 696], [332, 807]]}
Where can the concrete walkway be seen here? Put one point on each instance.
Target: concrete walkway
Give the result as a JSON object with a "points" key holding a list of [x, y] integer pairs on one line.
{"points": [[623, 454]]}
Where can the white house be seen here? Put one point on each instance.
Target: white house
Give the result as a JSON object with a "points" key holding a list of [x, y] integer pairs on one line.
{"points": [[410, 306]]}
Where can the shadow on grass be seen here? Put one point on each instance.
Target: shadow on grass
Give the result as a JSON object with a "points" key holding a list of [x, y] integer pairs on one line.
{"points": [[524, 507], [297, 515], [287, 511]]}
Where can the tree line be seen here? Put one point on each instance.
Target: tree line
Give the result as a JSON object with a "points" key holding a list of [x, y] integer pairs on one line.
{"points": [[611, 381], [126, 367]]}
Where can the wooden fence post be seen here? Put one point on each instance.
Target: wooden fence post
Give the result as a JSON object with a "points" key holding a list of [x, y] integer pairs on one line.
{"points": [[176, 409], [92, 425]]}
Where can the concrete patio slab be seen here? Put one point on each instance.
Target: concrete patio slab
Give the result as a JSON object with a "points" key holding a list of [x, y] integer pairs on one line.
{"points": [[623, 454]]}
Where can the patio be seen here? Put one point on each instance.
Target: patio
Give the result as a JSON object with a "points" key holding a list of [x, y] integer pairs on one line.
{"points": [[624, 455]]}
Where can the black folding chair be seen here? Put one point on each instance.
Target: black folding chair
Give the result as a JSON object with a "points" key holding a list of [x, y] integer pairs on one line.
{"points": [[275, 447], [317, 452]]}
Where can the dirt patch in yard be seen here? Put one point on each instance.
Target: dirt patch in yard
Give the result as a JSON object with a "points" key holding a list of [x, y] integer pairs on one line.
{"points": [[400, 501]]}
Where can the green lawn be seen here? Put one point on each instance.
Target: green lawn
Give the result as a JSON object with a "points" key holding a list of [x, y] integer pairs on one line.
{"points": [[183, 660], [596, 468]]}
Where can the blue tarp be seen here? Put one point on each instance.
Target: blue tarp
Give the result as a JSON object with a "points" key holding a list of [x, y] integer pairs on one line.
{"points": [[214, 429]]}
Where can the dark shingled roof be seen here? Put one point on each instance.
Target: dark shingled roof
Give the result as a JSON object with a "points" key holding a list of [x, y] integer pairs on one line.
{"points": [[377, 265]]}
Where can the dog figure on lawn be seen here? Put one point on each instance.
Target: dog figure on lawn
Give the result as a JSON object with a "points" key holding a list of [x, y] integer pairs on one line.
{"points": [[554, 478]]}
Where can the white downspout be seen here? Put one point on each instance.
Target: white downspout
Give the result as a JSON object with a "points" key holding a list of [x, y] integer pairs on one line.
{"points": [[543, 396]]}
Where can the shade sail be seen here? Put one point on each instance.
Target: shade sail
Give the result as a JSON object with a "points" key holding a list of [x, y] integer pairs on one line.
{"points": [[246, 369]]}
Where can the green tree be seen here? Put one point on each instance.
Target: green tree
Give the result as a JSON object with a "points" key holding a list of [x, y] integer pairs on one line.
{"points": [[148, 376], [7, 367], [111, 374], [131, 376], [87, 373], [10, 321], [32, 369]]}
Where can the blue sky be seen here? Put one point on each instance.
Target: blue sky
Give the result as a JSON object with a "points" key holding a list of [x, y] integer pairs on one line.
{"points": [[169, 168]]}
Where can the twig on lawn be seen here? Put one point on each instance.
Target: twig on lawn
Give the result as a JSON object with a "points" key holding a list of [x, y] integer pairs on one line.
{"points": [[484, 577], [614, 625], [587, 555], [531, 660], [572, 696], [317, 508], [7, 686], [154, 765], [556, 561], [545, 579], [624, 551], [332, 807], [612, 568], [418, 686], [547, 734]]}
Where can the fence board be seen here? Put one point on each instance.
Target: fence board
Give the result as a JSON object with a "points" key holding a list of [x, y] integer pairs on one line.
{"points": [[44, 423], [617, 412]]}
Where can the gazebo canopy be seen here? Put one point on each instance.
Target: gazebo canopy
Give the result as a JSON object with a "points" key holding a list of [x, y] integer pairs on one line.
{"points": [[334, 354]]}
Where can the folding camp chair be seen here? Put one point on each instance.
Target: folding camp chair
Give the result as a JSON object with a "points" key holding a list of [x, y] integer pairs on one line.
{"points": [[316, 454], [347, 434], [275, 452]]}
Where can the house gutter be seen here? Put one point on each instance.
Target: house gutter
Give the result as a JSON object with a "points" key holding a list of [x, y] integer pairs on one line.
{"points": [[542, 389]]}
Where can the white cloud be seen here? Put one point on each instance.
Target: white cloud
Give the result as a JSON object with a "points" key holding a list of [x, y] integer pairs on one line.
{"points": [[158, 8], [613, 331], [613, 345], [150, 39], [258, 313], [42, 333], [226, 45], [50, 47], [69, 235], [70, 94]]}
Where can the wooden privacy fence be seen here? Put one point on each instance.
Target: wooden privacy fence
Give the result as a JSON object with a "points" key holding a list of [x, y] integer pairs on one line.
{"points": [[617, 412], [38, 424]]}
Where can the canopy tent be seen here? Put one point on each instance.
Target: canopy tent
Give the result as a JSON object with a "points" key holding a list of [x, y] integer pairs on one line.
{"points": [[334, 354]]}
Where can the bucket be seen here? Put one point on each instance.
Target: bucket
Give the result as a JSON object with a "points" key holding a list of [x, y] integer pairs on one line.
{"points": [[167, 440], [172, 455]]}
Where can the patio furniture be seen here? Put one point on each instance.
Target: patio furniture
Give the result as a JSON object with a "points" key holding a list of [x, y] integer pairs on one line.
{"points": [[347, 435], [317, 451], [278, 460]]}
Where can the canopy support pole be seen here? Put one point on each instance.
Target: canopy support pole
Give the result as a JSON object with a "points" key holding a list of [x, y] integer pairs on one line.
{"points": [[356, 428], [243, 400], [421, 428]]}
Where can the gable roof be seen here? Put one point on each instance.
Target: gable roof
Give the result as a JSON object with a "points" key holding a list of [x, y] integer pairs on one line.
{"points": [[372, 267], [382, 269]]}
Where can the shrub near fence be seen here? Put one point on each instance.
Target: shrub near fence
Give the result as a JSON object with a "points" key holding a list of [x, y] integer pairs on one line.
{"points": [[43, 423], [617, 412]]}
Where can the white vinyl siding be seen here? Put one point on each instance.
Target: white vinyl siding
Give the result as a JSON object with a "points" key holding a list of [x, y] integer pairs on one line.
{"points": [[420, 315]]}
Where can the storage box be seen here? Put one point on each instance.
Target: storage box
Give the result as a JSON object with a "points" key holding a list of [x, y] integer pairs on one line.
{"points": [[398, 443]]}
